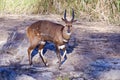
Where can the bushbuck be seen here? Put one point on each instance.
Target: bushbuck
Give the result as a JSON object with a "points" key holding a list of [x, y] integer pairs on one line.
{"points": [[43, 30]]}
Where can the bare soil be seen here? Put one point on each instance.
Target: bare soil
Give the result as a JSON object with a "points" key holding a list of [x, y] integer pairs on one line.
{"points": [[94, 52]]}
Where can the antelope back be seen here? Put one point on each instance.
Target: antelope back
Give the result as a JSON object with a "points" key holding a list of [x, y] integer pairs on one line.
{"points": [[44, 30]]}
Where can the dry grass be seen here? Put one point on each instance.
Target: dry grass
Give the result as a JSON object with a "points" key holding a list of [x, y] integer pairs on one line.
{"points": [[90, 10]]}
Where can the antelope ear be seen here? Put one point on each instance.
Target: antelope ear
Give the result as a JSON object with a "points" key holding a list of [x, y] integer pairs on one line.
{"points": [[64, 20], [73, 20]]}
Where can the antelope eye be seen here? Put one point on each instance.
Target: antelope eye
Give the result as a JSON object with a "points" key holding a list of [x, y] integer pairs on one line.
{"points": [[69, 25]]}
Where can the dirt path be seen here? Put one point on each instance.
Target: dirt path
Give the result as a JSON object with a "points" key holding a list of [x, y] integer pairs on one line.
{"points": [[94, 52]]}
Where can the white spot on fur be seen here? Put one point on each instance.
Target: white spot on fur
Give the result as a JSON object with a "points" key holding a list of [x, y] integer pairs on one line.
{"points": [[38, 34], [42, 42], [65, 40], [61, 47], [31, 51]]}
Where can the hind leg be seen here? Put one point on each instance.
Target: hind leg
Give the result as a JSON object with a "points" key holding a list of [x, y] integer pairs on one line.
{"points": [[30, 49], [42, 55], [29, 54]]}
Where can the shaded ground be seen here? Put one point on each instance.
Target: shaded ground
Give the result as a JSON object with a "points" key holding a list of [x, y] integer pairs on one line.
{"points": [[94, 52]]}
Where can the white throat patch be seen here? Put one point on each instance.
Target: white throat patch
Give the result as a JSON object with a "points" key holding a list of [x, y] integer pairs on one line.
{"points": [[68, 33]]}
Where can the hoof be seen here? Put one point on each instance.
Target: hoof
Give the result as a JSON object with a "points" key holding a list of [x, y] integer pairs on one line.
{"points": [[60, 68], [57, 61], [46, 64], [30, 63]]}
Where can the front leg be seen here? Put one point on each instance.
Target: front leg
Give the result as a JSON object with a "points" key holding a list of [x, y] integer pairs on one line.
{"points": [[59, 57], [29, 54], [63, 54], [59, 53]]}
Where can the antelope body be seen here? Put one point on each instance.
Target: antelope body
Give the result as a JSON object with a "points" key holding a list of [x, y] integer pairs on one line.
{"points": [[43, 30]]}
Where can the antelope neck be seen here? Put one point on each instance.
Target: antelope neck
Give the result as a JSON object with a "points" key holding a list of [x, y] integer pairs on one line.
{"points": [[65, 35]]}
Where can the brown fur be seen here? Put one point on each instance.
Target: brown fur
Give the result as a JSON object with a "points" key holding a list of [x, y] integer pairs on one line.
{"points": [[44, 30]]}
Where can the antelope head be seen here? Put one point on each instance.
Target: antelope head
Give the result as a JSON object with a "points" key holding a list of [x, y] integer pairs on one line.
{"points": [[68, 25]]}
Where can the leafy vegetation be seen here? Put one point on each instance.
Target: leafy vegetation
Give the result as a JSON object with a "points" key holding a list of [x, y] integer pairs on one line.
{"points": [[63, 78], [91, 10]]}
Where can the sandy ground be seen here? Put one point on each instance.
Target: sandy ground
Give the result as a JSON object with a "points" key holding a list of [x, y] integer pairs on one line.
{"points": [[94, 55]]}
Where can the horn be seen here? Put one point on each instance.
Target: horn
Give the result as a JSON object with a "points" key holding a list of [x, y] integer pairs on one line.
{"points": [[72, 15], [65, 15]]}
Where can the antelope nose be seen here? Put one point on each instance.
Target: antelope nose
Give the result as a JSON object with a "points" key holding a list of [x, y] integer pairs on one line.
{"points": [[68, 30]]}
